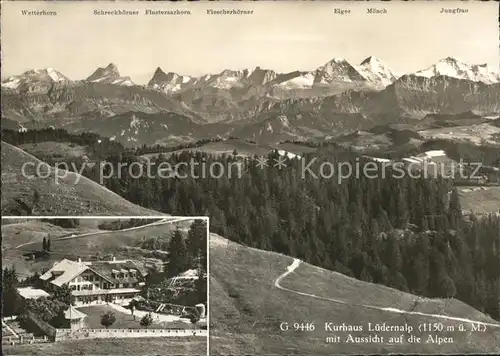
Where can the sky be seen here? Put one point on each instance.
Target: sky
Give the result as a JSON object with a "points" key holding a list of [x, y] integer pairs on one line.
{"points": [[283, 36]]}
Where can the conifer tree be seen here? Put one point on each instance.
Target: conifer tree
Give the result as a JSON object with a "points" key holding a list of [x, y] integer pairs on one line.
{"points": [[178, 257]]}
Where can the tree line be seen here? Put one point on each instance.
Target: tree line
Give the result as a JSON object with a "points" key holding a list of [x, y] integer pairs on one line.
{"points": [[405, 233], [185, 252]]}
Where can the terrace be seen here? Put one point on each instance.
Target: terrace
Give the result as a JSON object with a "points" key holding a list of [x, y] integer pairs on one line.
{"points": [[125, 320]]}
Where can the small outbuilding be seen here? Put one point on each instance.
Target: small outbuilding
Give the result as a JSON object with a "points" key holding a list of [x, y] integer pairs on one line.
{"points": [[75, 318], [32, 293]]}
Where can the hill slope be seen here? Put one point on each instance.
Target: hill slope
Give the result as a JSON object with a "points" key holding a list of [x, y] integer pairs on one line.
{"points": [[249, 301], [85, 241], [69, 195]]}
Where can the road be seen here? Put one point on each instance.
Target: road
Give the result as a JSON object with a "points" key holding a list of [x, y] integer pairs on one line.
{"points": [[160, 222], [296, 263]]}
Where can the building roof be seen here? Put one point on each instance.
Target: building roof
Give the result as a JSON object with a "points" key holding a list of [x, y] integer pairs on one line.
{"points": [[64, 271], [411, 160], [98, 291], [189, 274], [32, 293], [73, 314], [435, 153], [106, 269]]}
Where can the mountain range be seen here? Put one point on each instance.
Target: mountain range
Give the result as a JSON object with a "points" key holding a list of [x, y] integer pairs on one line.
{"points": [[257, 104]]}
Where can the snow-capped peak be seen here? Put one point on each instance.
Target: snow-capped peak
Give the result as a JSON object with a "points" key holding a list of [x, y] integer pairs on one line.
{"points": [[451, 59], [296, 80], [372, 61], [338, 60], [374, 70], [101, 73], [229, 72], [109, 75], [259, 76], [158, 77], [337, 69], [228, 79], [112, 67], [55, 75], [32, 79], [159, 74], [169, 82], [455, 68]]}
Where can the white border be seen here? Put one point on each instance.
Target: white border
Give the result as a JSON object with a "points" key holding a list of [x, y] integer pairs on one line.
{"points": [[208, 285], [173, 217]]}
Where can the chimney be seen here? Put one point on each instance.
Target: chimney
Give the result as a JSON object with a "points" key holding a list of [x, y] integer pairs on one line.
{"points": [[113, 259], [79, 260]]}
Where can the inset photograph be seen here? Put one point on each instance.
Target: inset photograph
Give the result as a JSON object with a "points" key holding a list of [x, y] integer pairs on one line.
{"points": [[105, 286]]}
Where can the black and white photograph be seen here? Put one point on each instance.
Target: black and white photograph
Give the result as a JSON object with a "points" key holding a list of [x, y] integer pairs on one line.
{"points": [[104, 286], [346, 154]]}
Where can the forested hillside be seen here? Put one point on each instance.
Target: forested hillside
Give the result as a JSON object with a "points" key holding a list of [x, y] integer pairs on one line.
{"points": [[406, 233]]}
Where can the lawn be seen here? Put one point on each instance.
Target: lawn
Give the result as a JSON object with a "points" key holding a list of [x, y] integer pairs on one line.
{"points": [[57, 151], [480, 200], [123, 321]]}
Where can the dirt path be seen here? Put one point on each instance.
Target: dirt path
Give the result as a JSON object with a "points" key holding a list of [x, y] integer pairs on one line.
{"points": [[296, 263]]}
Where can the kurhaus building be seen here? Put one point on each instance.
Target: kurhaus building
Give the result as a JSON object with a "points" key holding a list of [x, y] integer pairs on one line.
{"points": [[97, 281]]}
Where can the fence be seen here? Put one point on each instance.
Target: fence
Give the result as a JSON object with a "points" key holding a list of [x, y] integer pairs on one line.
{"points": [[56, 334], [12, 340], [133, 333]]}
